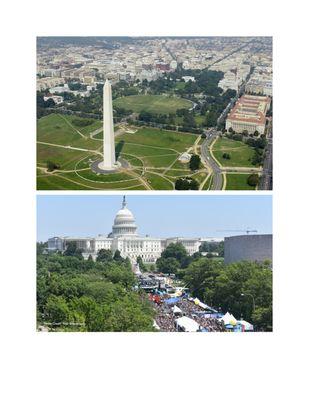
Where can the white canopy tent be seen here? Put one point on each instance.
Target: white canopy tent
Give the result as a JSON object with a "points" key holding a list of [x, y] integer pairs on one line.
{"points": [[228, 319], [187, 324], [176, 310], [247, 326]]}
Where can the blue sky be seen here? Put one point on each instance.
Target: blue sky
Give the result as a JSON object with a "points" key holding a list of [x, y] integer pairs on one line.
{"points": [[156, 215]]}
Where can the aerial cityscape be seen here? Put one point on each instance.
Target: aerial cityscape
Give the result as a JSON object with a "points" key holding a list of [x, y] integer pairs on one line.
{"points": [[154, 113], [179, 113], [127, 281]]}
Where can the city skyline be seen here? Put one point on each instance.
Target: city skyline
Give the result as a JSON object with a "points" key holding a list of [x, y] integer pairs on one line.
{"points": [[92, 215]]}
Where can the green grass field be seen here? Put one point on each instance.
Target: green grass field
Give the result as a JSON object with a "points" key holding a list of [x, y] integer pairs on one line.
{"points": [[152, 154], [199, 119], [58, 129], [240, 153], [152, 103], [237, 182]]}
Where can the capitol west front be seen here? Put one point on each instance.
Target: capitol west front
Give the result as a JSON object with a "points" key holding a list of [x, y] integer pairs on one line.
{"points": [[124, 237]]}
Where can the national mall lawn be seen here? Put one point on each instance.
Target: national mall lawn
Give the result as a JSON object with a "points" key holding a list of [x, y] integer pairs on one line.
{"points": [[152, 154]]}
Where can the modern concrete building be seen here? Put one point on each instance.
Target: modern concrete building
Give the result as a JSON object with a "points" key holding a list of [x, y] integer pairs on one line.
{"points": [[124, 237], [248, 247]]}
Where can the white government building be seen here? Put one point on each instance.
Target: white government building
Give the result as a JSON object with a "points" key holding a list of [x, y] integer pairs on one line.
{"points": [[124, 237]]}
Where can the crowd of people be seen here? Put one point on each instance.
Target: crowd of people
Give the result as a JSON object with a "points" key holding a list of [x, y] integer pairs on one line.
{"points": [[166, 317]]}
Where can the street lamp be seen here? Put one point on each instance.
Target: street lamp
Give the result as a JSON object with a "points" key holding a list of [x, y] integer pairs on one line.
{"points": [[253, 302]]}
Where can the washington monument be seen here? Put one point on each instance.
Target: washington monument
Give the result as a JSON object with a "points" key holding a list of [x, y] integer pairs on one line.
{"points": [[109, 161]]}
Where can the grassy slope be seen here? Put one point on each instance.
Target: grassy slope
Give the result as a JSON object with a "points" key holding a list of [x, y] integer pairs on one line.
{"points": [[240, 153], [152, 103], [160, 138], [237, 182], [56, 129], [148, 146]]}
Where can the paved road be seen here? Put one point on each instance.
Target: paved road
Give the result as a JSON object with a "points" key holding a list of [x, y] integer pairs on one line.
{"points": [[217, 181], [231, 53], [266, 182]]}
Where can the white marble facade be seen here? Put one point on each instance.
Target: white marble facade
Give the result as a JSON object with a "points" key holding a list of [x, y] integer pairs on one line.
{"points": [[124, 237]]}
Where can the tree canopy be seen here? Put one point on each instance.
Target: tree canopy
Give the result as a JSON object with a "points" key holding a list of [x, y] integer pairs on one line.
{"points": [[74, 294], [243, 288]]}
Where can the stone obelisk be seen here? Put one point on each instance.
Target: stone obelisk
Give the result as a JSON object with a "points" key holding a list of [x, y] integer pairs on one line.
{"points": [[109, 161]]}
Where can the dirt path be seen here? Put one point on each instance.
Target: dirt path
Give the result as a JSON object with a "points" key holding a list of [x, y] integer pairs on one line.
{"points": [[70, 125]]}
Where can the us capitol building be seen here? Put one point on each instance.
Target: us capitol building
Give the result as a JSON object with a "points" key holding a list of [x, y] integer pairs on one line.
{"points": [[124, 237]]}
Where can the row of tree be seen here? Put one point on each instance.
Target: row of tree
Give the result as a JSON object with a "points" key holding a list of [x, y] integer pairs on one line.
{"points": [[74, 294]]}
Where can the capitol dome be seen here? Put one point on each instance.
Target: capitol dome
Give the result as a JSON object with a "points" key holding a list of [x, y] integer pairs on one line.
{"points": [[124, 222]]}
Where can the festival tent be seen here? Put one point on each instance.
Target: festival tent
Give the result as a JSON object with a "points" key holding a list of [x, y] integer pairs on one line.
{"points": [[172, 300], [196, 301], [247, 326], [213, 315], [187, 324], [156, 326], [229, 319], [206, 307], [176, 310]]}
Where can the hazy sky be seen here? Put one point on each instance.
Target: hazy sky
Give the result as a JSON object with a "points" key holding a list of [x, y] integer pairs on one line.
{"points": [[156, 215]]}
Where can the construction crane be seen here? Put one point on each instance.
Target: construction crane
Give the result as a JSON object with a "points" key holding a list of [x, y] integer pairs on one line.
{"points": [[248, 230]]}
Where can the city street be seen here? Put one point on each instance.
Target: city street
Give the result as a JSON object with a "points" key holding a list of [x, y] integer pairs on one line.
{"points": [[207, 158], [267, 177]]}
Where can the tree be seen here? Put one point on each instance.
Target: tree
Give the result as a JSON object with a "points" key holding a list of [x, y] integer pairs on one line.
{"points": [[175, 250], [130, 314], [200, 278], [188, 120], [51, 166], [73, 250], [57, 310], [168, 265], [226, 156], [253, 180], [49, 103], [140, 263], [243, 288], [40, 247], [104, 255], [194, 184], [263, 318], [186, 183], [78, 297], [195, 162], [117, 256]]}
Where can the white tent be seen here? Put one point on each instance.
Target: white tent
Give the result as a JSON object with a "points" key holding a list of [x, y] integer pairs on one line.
{"points": [[187, 324], [228, 319], [206, 307], [155, 325], [176, 310], [246, 325]]}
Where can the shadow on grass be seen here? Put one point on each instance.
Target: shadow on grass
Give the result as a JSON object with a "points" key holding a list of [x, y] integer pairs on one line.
{"points": [[118, 148]]}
